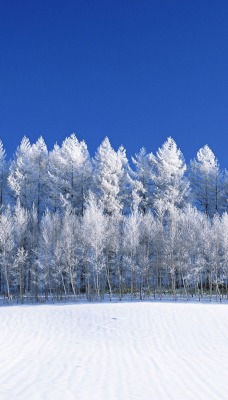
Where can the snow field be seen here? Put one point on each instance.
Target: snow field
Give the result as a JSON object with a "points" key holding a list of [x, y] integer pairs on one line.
{"points": [[117, 351]]}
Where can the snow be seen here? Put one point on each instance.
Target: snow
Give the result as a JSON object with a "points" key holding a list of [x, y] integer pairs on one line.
{"points": [[114, 351]]}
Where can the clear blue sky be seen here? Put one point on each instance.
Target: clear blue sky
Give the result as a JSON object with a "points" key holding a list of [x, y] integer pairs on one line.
{"points": [[136, 71]]}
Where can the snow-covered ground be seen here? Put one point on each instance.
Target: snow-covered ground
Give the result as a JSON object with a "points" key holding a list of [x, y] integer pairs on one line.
{"points": [[121, 351]]}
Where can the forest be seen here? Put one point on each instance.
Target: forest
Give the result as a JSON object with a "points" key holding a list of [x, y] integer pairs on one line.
{"points": [[74, 226]]}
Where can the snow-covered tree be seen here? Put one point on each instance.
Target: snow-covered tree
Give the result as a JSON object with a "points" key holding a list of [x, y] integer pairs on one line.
{"points": [[131, 242], [70, 173], [216, 254], [3, 173], [148, 267], [126, 181], [21, 220], [54, 178], [142, 185], [46, 253], [95, 224], [107, 229], [206, 181], [39, 175], [170, 185], [20, 171], [33, 237], [6, 249], [224, 250], [28, 174], [70, 236], [108, 179]]}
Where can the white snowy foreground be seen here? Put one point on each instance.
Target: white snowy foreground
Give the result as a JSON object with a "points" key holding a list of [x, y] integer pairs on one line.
{"points": [[145, 351]]}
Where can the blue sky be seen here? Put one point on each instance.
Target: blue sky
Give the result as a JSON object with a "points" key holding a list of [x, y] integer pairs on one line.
{"points": [[136, 71]]}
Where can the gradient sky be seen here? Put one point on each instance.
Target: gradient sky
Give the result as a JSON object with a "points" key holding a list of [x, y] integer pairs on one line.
{"points": [[136, 71]]}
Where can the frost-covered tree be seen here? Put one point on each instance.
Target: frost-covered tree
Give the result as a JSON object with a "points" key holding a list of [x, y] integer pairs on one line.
{"points": [[148, 268], [7, 244], [206, 181], [95, 224], [171, 231], [33, 237], [21, 220], [189, 260], [131, 242], [70, 173], [28, 174], [46, 253], [168, 175], [224, 251], [143, 186], [55, 181], [19, 174], [216, 254], [114, 255], [108, 178], [133, 233], [126, 181], [39, 175], [71, 233], [3, 174]]}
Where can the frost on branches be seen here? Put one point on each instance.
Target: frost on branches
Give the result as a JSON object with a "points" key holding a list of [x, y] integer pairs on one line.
{"points": [[73, 225]]}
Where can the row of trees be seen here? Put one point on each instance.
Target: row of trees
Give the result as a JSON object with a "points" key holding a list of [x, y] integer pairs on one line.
{"points": [[139, 254], [72, 225], [66, 174]]}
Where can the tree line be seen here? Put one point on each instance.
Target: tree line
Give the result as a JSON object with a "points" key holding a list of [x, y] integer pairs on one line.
{"points": [[72, 225]]}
